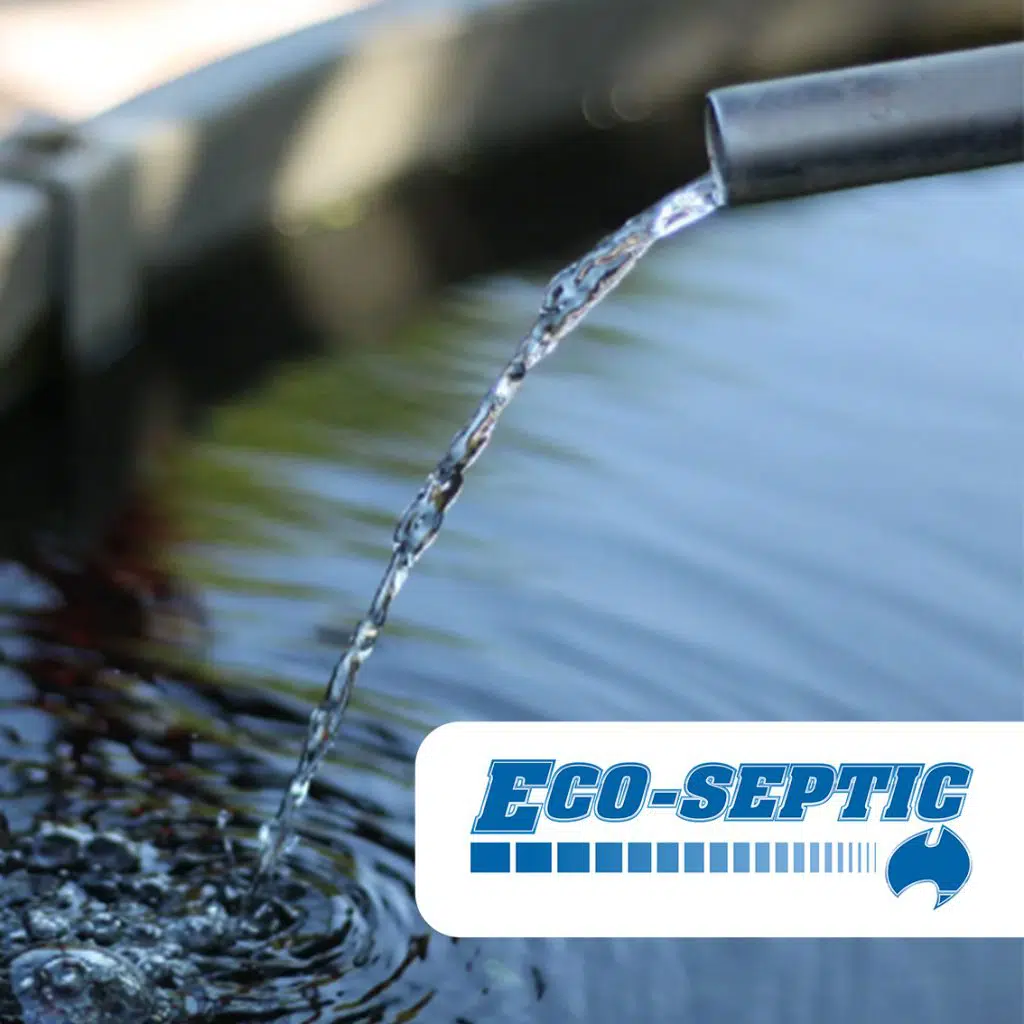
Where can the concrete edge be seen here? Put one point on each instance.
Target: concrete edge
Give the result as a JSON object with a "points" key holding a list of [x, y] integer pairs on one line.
{"points": [[27, 287], [266, 135]]}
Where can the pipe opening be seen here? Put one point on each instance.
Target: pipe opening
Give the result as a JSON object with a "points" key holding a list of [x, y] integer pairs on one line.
{"points": [[715, 147]]}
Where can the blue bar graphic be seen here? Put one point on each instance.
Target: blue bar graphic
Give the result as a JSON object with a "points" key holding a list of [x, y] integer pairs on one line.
{"points": [[782, 857], [574, 858], [668, 856], [761, 858], [533, 858], [490, 858], [741, 857], [607, 857], [693, 857], [718, 858], [639, 857]]}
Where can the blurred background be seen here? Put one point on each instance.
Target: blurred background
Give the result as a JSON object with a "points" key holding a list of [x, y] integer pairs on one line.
{"points": [[774, 476]]}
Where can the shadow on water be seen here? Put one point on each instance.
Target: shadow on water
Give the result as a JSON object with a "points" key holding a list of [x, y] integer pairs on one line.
{"points": [[773, 477]]}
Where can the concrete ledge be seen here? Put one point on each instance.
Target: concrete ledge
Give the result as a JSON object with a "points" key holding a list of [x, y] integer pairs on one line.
{"points": [[341, 110], [336, 115], [76, 58], [27, 287]]}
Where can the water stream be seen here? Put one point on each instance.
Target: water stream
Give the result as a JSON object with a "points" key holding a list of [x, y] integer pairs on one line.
{"points": [[570, 295]]}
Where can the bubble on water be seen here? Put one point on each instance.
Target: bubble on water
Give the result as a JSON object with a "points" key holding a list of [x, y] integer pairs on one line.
{"points": [[70, 897], [81, 986], [18, 889], [101, 888], [206, 931], [146, 933], [45, 925], [168, 928], [55, 847], [102, 928], [112, 852], [152, 890]]}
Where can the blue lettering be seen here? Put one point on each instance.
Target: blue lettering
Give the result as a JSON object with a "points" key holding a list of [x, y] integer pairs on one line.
{"points": [[712, 789], [505, 807], [564, 803], [862, 782], [623, 790], [933, 801], [809, 785], [753, 801], [902, 792], [707, 792]]}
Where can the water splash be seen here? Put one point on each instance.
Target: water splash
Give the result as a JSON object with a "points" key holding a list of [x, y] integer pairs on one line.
{"points": [[570, 295], [99, 927]]}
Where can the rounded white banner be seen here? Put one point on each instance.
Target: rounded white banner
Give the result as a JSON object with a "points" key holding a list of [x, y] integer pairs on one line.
{"points": [[759, 829]]}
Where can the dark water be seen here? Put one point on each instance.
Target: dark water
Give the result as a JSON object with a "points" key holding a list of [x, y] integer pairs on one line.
{"points": [[775, 476]]}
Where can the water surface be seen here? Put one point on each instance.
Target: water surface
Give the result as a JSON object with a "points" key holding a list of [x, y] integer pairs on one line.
{"points": [[774, 476]]}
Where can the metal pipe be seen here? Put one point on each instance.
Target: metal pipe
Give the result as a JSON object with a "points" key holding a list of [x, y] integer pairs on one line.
{"points": [[861, 126]]}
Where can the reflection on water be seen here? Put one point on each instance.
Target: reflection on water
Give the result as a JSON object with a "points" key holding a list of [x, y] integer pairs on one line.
{"points": [[775, 476]]}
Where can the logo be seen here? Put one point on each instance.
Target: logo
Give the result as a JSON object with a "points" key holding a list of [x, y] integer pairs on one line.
{"points": [[670, 830], [519, 792], [944, 862]]}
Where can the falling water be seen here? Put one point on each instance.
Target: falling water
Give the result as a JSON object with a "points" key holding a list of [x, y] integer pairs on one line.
{"points": [[570, 295]]}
